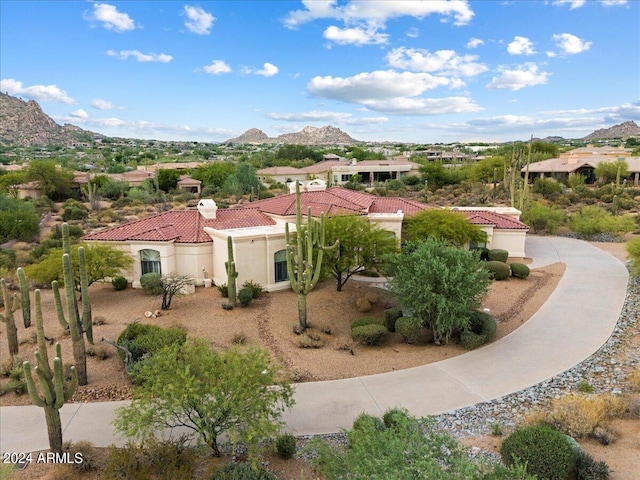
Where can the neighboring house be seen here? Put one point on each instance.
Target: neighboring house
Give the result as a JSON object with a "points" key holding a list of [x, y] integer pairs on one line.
{"points": [[584, 161], [194, 242], [188, 184]]}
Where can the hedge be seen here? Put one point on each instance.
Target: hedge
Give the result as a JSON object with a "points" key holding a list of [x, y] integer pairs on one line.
{"points": [[412, 330], [499, 270], [498, 255], [519, 270], [371, 334]]}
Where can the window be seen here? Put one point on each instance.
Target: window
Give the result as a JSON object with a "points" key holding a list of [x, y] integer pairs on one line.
{"points": [[150, 261], [473, 245], [280, 266]]}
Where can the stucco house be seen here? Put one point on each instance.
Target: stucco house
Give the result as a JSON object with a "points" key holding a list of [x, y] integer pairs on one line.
{"points": [[194, 241]]}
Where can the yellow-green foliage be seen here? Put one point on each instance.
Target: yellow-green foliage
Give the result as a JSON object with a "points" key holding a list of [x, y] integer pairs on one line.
{"points": [[633, 249], [578, 415]]}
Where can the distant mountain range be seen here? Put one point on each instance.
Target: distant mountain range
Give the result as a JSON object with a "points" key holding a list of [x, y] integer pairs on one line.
{"points": [[307, 136], [25, 124]]}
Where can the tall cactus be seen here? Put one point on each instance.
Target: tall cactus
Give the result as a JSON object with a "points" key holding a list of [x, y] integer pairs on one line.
{"points": [[79, 353], [10, 306], [232, 274], [87, 321], [26, 300], [303, 272], [59, 311], [54, 391]]}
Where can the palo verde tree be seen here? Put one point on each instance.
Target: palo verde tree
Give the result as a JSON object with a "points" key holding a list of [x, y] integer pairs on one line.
{"points": [[237, 392], [440, 283], [361, 246], [304, 257], [55, 391], [446, 225]]}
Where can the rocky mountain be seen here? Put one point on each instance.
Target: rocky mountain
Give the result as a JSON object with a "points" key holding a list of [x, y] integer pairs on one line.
{"points": [[327, 135], [622, 131], [25, 124]]}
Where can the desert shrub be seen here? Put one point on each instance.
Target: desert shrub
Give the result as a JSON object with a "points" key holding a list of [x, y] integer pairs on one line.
{"points": [[310, 340], [74, 210], [223, 288], [242, 471], [587, 468], [143, 340], [471, 340], [369, 334], [100, 352], [361, 322], [591, 220], [125, 463], [119, 283], [543, 451], [366, 422], [412, 330], [547, 187], [498, 255], [151, 283], [17, 386], [86, 451], [255, 287], [579, 415], [519, 270], [542, 217], [286, 446], [633, 380], [7, 258], [391, 315], [245, 296], [498, 270]]}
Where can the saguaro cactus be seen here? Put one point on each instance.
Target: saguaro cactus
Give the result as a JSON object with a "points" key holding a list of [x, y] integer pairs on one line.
{"points": [[10, 306], [54, 391], [303, 272], [26, 300], [232, 274], [79, 353], [87, 321]]}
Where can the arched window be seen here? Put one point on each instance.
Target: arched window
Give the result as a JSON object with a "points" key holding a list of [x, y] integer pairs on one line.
{"points": [[150, 261], [280, 266]]}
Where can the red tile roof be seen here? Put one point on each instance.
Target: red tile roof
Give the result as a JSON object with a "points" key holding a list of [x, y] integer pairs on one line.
{"points": [[500, 221], [181, 226]]}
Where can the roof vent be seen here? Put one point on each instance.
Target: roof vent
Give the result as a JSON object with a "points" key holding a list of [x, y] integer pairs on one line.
{"points": [[207, 208]]}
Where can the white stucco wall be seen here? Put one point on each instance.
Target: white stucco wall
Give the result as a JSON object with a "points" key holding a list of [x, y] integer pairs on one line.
{"points": [[510, 240]]}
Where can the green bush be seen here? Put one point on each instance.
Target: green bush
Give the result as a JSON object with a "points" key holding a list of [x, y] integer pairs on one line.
{"points": [[587, 468], [499, 270], [223, 288], [7, 258], [361, 322], [591, 220], [545, 452], [242, 471], [547, 187], [119, 283], [286, 446], [541, 217], [143, 339], [391, 315], [498, 255], [366, 423], [519, 270], [471, 340], [256, 288], [245, 296], [151, 283], [482, 329], [412, 330], [372, 334]]}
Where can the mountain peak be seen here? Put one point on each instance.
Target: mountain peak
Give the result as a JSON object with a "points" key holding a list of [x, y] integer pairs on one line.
{"points": [[327, 135]]}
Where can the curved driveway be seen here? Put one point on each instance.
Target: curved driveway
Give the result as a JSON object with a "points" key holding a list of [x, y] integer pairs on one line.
{"points": [[576, 320]]}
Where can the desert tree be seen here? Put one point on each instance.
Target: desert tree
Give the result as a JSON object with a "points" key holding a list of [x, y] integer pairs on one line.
{"points": [[237, 392], [446, 225]]}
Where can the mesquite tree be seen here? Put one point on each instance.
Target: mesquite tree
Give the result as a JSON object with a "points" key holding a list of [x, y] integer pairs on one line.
{"points": [[54, 390], [304, 257]]}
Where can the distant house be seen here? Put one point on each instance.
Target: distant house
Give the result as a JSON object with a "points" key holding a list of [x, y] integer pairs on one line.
{"points": [[584, 161], [191, 185], [194, 242]]}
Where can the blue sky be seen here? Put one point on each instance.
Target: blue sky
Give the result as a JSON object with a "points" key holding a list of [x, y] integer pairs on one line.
{"points": [[394, 70]]}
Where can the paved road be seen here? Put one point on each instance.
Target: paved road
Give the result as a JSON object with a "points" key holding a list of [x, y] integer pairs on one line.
{"points": [[576, 320]]}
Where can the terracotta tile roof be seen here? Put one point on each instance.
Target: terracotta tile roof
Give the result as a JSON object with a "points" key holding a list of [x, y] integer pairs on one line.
{"points": [[320, 202], [393, 204], [503, 222], [181, 226], [325, 166], [285, 170]]}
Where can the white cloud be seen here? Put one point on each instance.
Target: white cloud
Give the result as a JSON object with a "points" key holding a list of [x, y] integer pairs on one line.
{"points": [[612, 3], [100, 104], [267, 70], [377, 13], [521, 46], [79, 113], [526, 75], [43, 93], [110, 18], [446, 62], [217, 67], [570, 44], [474, 43], [198, 20], [424, 106], [413, 32], [325, 116], [573, 4], [355, 36], [141, 57], [377, 85]]}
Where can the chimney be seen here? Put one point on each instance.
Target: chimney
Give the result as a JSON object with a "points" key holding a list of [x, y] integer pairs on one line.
{"points": [[207, 208]]}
